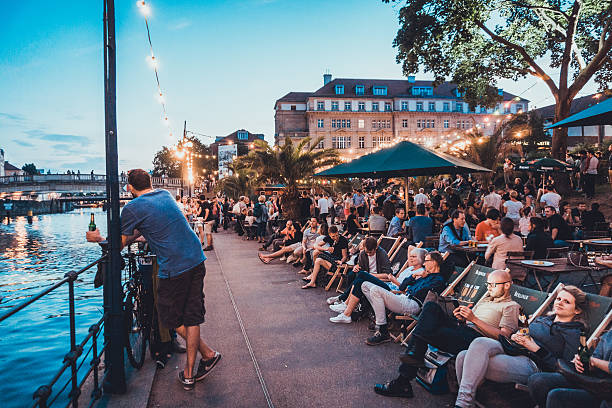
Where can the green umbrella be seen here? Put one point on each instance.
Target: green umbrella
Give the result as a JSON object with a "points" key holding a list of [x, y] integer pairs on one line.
{"points": [[545, 165], [600, 114]]}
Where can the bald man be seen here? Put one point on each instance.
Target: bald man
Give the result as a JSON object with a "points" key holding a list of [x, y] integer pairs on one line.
{"points": [[496, 313]]}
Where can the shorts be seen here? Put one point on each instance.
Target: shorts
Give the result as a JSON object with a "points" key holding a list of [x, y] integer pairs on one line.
{"points": [[180, 299], [295, 246], [208, 227]]}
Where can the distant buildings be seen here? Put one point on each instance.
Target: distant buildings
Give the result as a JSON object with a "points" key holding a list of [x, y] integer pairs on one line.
{"points": [[228, 147], [7, 169], [357, 116]]}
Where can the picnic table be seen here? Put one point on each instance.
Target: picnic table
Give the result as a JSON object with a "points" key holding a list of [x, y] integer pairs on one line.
{"points": [[554, 271]]}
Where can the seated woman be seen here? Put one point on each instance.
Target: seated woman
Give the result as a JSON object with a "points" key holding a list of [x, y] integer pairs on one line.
{"points": [[538, 240], [346, 303], [500, 246], [290, 244], [550, 390], [352, 225], [329, 258], [306, 259], [550, 337]]}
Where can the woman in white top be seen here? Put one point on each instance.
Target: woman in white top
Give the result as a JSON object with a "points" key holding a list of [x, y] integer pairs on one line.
{"points": [[512, 208], [500, 246], [524, 221]]}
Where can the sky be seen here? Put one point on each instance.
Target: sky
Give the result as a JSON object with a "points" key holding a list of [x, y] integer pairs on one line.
{"points": [[222, 65]]}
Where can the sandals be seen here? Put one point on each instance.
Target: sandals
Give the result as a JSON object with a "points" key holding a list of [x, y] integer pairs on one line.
{"points": [[309, 286], [265, 261]]}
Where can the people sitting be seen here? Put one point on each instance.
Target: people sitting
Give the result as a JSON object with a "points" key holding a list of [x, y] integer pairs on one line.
{"points": [[420, 226], [454, 232], [551, 337], [593, 219], [496, 313], [276, 239], [329, 258], [407, 299], [309, 236], [557, 226], [538, 240], [489, 228], [377, 222], [290, 243], [500, 246], [352, 224], [311, 254], [395, 226]]}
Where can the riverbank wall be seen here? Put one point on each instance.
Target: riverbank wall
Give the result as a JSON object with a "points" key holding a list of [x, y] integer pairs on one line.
{"points": [[22, 207]]}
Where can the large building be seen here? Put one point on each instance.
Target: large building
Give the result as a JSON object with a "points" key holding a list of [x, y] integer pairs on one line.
{"points": [[357, 116]]}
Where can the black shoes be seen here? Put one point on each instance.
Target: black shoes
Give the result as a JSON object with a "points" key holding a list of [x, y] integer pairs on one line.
{"points": [[394, 389], [412, 359], [188, 383], [378, 338], [297, 264], [205, 367], [208, 248]]}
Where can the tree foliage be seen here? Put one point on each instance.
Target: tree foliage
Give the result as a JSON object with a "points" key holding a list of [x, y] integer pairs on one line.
{"points": [[165, 161], [30, 169], [240, 183], [477, 42]]}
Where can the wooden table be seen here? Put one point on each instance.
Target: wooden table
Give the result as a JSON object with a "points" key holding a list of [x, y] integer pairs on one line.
{"points": [[560, 266], [470, 252], [592, 242]]}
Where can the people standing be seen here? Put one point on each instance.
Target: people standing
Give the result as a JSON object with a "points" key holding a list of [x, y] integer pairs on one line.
{"points": [[590, 173]]}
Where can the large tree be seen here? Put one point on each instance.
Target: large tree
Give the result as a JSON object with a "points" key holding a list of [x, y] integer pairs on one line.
{"points": [[166, 162], [477, 42], [30, 169]]}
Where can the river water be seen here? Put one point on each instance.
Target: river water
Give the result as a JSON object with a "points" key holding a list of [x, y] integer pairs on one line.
{"points": [[34, 341]]}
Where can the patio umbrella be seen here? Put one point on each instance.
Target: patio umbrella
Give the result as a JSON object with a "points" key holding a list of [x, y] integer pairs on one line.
{"points": [[545, 165], [404, 159], [600, 114]]}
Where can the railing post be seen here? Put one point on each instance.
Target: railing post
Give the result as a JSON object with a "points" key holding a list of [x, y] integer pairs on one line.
{"points": [[74, 353], [95, 362]]}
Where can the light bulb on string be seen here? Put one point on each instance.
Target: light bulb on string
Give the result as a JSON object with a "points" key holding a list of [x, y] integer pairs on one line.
{"points": [[144, 8], [152, 61]]}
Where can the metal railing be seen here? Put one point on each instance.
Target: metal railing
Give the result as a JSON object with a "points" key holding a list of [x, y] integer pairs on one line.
{"points": [[44, 392], [81, 178]]}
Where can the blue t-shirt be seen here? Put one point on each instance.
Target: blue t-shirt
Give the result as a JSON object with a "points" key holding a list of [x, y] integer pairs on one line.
{"points": [[421, 227], [159, 219]]}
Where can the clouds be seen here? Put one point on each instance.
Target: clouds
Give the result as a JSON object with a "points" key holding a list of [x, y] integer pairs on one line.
{"points": [[23, 143], [180, 24], [58, 137], [12, 118]]}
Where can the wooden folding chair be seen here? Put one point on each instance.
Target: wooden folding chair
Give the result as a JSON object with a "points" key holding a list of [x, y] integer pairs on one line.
{"points": [[341, 269], [389, 244], [560, 252]]}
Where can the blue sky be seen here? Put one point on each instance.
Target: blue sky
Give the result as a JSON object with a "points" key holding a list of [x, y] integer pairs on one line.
{"points": [[222, 64]]}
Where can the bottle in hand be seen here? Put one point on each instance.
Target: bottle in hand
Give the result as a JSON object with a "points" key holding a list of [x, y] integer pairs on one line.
{"points": [[523, 323], [92, 223], [584, 354]]}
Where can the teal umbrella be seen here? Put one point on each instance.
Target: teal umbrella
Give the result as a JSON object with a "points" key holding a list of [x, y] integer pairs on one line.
{"points": [[600, 114], [545, 165]]}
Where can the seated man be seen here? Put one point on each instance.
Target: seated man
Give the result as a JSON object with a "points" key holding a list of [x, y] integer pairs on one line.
{"points": [[420, 226], [290, 244], [310, 234], [409, 298], [557, 226], [489, 228], [277, 238], [377, 222], [591, 219], [496, 313], [454, 232], [395, 226], [330, 258]]}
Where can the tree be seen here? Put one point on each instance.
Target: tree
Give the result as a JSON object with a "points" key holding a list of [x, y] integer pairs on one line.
{"points": [[240, 183], [167, 163], [476, 42], [30, 169], [287, 164]]}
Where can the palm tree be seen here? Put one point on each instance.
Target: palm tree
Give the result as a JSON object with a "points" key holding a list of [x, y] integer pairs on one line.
{"points": [[240, 183], [287, 165]]}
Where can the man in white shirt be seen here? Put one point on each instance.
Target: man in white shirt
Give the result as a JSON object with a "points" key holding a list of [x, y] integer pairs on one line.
{"points": [[550, 198], [421, 198], [322, 204], [590, 175], [492, 200]]}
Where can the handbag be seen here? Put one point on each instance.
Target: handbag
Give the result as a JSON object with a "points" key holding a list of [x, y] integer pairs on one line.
{"points": [[599, 387], [512, 348], [447, 303], [576, 258]]}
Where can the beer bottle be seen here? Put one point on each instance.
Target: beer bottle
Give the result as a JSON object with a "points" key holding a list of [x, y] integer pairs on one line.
{"points": [[584, 354], [92, 223], [523, 323]]}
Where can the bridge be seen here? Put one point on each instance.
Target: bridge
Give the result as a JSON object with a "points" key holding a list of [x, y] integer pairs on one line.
{"points": [[75, 187]]}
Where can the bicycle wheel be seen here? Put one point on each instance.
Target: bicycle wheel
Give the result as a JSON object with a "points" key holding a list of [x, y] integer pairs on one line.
{"points": [[135, 330]]}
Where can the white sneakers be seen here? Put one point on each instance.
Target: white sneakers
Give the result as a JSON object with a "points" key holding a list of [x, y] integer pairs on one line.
{"points": [[338, 308], [332, 300], [291, 258], [341, 318]]}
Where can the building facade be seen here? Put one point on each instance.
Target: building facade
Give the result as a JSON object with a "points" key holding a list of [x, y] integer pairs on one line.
{"points": [[357, 116]]}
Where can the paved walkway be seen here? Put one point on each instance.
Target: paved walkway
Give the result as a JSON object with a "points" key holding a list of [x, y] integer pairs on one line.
{"points": [[301, 359]]}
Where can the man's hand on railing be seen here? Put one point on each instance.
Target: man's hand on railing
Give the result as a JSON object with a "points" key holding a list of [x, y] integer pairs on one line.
{"points": [[94, 236]]}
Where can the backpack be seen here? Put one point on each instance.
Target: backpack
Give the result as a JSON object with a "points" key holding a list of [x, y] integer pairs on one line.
{"points": [[437, 377], [257, 210]]}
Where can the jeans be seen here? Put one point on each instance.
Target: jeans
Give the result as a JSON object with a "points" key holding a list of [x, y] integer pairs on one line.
{"points": [[435, 327], [261, 229], [552, 390], [559, 243], [382, 299], [485, 359], [360, 278]]}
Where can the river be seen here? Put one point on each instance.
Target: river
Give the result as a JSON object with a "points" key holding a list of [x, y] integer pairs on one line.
{"points": [[34, 341]]}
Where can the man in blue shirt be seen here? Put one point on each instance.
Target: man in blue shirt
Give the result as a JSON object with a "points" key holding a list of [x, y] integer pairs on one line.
{"points": [[359, 202], [155, 215], [420, 226], [395, 226], [454, 232]]}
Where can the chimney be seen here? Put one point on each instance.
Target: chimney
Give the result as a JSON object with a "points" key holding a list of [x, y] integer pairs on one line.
{"points": [[500, 91], [411, 79], [327, 77]]}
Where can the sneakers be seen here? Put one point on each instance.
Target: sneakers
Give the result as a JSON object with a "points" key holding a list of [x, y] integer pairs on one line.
{"points": [[188, 383], [290, 259], [341, 318], [205, 367], [394, 389], [283, 258], [378, 338], [332, 300], [339, 308]]}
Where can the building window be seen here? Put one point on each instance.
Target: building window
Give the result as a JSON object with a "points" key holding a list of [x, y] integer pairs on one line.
{"points": [[361, 142], [320, 105], [379, 90], [458, 107], [374, 106], [335, 106], [446, 123], [333, 123], [381, 124], [361, 107], [387, 107], [446, 107], [339, 89], [321, 144], [361, 124], [347, 106], [404, 105], [243, 135], [462, 124], [341, 142], [379, 141], [519, 107], [404, 123], [419, 106], [432, 106], [359, 90], [422, 91], [293, 107], [431, 123], [320, 123]]}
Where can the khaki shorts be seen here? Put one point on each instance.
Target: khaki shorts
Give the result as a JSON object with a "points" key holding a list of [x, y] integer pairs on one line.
{"points": [[208, 227]]}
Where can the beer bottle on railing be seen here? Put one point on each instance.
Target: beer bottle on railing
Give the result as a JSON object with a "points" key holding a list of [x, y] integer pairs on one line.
{"points": [[92, 223], [584, 354]]}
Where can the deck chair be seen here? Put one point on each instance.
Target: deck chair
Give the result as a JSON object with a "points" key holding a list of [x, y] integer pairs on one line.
{"points": [[389, 244], [531, 300], [353, 244]]}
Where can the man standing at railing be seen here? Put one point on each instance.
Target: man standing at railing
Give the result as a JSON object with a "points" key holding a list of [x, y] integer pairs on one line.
{"points": [[180, 296]]}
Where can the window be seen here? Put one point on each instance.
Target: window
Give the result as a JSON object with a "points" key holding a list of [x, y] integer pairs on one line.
{"points": [[293, 107], [458, 124], [320, 123], [446, 123], [347, 106], [359, 90], [339, 89], [430, 123], [381, 124], [320, 105], [432, 107], [458, 107], [404, 123], [507, 108], [446, 107], [404, 105], [379, 141], [387, 107], [519, 107], [422, 90], [333, 123], [334, 105], [462, 124], [420, 106], [379, 90], [346, 123], [419, 124], [361, 107], [374, 106], [242, 135], [321, 144], [341, 142], [361, 142], [361, 124]]}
